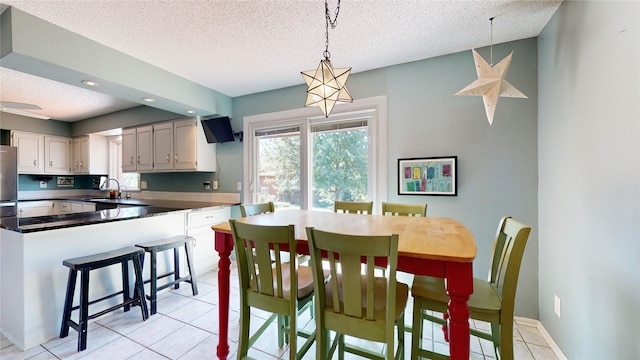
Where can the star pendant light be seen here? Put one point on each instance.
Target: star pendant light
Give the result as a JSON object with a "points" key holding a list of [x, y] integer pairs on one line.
{"points": [[326, 84], [491, 83]]}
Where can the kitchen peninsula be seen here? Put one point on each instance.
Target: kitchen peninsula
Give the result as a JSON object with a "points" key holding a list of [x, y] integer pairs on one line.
{"points": [[33, 279]]}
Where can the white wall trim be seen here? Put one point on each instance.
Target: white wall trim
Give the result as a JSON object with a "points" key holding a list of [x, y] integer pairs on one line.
{"points": [[538, 325]]}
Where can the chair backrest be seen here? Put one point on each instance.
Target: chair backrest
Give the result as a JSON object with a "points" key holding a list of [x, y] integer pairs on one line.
{"points": [[404, 209], [354, 207], [261, 276], [508, 250], [352, 309], [255, 209]]}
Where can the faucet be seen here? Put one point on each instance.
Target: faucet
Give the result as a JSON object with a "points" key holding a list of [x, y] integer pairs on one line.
{"points": [[107, 181]]}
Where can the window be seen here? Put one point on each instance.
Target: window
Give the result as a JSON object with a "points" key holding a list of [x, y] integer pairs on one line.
{"points": [[128, 181], [306, 162]]}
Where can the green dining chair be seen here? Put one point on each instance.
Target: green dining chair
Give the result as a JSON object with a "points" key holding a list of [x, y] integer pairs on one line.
{"points": [[356, 303], [265, 208], [492, 300], [256, 209], [396, 209], [353, 207], [279, 287]]}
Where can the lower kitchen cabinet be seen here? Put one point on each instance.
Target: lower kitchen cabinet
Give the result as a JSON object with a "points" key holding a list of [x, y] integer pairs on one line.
{"points": [[199, 227], [34, 208]]}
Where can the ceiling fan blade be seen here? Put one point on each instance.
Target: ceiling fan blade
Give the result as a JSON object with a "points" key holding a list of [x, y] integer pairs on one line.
{"points": [[15, 105], [24, 113]]}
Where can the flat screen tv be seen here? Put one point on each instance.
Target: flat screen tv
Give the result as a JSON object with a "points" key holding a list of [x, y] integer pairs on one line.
{"points": [[218, 130]]}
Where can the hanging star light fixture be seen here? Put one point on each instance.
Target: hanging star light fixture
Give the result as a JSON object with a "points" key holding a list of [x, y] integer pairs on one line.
{"points": [[491, 83], [326, 84]]}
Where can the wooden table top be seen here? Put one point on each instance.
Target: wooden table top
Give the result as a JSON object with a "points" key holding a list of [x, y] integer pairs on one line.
{"points": [[419, 237]]}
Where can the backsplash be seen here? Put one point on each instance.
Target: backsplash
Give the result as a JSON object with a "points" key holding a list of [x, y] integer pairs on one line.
{"points": [[172, 182]]}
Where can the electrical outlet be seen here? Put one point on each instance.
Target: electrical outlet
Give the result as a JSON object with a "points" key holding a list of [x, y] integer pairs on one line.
{"points": [[239, 186], [557, 306], [207, 185], [143, 184], [215, 184], [43, 184]]}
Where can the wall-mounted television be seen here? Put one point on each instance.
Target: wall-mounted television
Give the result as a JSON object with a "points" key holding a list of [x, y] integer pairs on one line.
{"points": [[218, 130]]}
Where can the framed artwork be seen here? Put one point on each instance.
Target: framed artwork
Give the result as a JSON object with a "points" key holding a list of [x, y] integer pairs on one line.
{"points": [[428, 176]]}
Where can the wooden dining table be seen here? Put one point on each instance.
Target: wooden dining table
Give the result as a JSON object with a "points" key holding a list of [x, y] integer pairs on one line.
{"points": [[441, 247]]}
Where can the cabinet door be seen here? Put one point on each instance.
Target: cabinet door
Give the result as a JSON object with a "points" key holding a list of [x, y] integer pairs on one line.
{"points": [[163, 146], [30, 152], [35, 208], [57, 153], [81, 155], [129, 152], [144, 147], [185, 139]]}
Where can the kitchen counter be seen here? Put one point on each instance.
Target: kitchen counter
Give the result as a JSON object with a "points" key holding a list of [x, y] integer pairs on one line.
{"points": [[134, 208]]}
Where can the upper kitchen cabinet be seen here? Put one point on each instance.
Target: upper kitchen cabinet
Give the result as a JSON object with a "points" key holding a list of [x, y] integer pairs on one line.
{"points": [[137, 149], [178, 145], [57, 153], [39, 154], [163, 154], [30, 152], [91, 155]]}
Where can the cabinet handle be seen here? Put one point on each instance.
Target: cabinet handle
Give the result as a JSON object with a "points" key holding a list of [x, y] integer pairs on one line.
{"points": [[176, 157], [50, 163], [138, 159], [131, 160], [35, 163], [168, 157]]}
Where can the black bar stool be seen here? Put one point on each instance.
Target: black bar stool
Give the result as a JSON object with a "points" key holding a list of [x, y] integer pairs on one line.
{"points": [[84, 265], [174, 242]]}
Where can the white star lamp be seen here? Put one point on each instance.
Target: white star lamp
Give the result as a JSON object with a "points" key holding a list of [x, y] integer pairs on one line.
{"points": [[491, 84], [326, 86]]}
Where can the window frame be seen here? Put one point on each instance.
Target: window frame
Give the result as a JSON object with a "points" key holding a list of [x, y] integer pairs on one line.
{"points": [[376, 107]]}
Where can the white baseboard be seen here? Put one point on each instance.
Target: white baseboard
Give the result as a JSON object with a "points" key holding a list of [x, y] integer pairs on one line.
{"points": [[538, 325]]}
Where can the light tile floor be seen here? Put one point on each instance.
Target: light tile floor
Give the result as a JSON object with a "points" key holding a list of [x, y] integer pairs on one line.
{"points": [[186, 327]]}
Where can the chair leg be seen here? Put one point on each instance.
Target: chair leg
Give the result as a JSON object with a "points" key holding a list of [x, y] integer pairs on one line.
{"points": [[83, 318], [68, 303], [243, 342], [281, 330], [176, 267], [192, 269], [505, 334], [416, 334], [400, 351], [153, 288], [293, 335], [126, 296], [139, 287]]}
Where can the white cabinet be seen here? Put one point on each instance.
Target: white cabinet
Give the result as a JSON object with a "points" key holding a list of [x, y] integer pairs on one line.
{"points": [[91, 155], [199, 227], [57, 153], [163, 146], [77, 207], [34, 208], [30, 152], [137, 149], [63, 207], [178, 145]]}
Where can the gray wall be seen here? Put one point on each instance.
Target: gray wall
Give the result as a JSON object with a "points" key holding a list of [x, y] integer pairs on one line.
{"points": [[497, 164], [589, 166]]}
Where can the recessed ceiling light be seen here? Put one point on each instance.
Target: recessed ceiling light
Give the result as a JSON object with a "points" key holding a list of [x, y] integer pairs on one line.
{"points": [[148, 99], [190, 112], [90, 83]]}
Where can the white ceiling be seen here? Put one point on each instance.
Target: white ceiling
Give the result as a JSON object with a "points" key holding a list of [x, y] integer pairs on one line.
{"points": [[245, 47]]}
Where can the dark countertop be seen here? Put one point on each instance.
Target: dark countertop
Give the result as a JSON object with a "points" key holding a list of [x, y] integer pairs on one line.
{"points": [[135, 208]]}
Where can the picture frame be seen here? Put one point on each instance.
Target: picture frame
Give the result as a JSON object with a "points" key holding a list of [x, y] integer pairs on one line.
{"points": [[428, 176]]}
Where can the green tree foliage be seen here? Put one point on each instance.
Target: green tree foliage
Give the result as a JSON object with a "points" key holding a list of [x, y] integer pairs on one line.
{"points": [[340, 166]]}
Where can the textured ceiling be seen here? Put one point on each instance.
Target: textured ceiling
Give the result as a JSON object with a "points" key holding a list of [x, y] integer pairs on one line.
{"points": [[245, 47]]}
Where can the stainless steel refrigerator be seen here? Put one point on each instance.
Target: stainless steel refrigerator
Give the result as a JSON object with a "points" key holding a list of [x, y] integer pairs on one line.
{"points": [[8, 181]]}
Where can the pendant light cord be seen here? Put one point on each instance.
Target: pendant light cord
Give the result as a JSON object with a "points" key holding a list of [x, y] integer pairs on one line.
{"points": [[333, 23], [491, 58]]}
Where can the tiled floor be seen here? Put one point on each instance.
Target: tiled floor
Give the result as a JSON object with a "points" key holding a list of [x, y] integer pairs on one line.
{"points": [[186, 327]]}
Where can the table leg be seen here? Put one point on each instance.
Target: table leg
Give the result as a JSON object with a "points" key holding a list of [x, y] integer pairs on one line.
{"points": [[224, 246], [459, 287]]}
